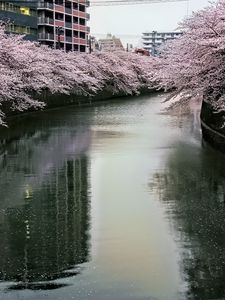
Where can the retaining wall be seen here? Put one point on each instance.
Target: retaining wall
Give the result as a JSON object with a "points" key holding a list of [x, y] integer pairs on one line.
{"points": [[213, 129]]}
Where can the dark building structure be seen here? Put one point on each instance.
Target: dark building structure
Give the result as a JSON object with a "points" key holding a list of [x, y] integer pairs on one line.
{"points": [[20, 17], [60, 24]]}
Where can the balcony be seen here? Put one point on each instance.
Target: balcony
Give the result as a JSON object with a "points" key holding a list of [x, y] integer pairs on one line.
{"points": [[69, 39], [82, 28], [59, 8], [68, 10], [61, 38], [80, 41], [59, 23], [45, 5], [46, 36], [68, 25], [44, 20], [84, 2], [76, 27], [82, 14], [75, 13]]}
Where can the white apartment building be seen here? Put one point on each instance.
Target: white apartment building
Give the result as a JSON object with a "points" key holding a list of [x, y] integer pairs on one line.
{"points": [[151, 41], [110, 43]]}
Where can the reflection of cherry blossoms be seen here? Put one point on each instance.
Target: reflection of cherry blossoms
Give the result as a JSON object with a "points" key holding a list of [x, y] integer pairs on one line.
{"points": [[195, 63], [28, 69]]}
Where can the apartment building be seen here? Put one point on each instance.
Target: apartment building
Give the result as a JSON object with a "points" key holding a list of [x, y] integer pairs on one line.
{"points": [[151, 41], [110, 43], [63, 24], [20, 17], [60, 24]]}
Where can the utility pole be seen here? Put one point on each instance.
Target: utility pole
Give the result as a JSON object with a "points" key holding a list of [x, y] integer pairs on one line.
{"points": [[59, 31], [90, 46], [91, 41], [154, 43]]}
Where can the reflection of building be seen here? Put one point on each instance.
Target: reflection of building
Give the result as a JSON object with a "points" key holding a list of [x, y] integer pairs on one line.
{"points": [[110, 43], [151, 41], [56, 23], [46, 237]]}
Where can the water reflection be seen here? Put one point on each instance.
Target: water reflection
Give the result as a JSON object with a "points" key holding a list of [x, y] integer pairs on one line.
{"points": [[193, 190], [44, 205]]}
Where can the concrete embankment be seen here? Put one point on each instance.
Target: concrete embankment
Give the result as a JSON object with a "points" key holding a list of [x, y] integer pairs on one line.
{"points": [[212, 122], [60, 100]]}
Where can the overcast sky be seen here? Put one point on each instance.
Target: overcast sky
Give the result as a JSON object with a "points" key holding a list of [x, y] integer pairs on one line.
{"points": [[129, 22]]}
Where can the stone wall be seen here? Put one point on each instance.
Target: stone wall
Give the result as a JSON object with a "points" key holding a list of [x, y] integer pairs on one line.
{"points": [[213, 129]]}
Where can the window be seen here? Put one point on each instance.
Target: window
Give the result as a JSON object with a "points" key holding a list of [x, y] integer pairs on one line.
{"points": [[82, 48], [25, 11], [81, 8], [21, 29], [82, 35], [82, 21], [17, 9]]}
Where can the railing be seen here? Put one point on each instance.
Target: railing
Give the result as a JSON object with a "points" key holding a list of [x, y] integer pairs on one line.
{"points": [[46, 36], [68, 24], [69, 39], [59, 23], [68, 10], [82, 14], [59, 8], [81, 28], [45, 20], [85, 2], [45, 5], [80, 41]]}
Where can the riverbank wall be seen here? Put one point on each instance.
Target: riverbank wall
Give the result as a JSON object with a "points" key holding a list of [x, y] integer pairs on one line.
{"points": [[53, 101], [212, 123]]}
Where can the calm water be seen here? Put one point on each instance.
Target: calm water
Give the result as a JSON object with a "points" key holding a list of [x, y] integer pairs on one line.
{"points": [[112, 202]]}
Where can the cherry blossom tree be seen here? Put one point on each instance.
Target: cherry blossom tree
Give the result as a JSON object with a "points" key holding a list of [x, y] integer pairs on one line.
{"points": [[28, 69], [194, 64]]}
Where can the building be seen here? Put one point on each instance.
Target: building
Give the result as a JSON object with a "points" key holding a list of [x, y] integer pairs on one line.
{"points": [[151, 41], [59, 24], [93, 44], [20, 19], [141, 51], [110, 43], [63, 24]]}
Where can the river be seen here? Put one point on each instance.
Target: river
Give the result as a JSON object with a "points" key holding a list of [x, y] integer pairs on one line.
{"points": [[115, 201]]}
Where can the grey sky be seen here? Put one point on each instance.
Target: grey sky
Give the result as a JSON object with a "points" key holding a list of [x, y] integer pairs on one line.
{"points": [[134, 19]]}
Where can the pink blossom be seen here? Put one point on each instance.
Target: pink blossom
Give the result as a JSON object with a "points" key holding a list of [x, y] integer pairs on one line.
{"points": [[194, 64], [28, 69]]}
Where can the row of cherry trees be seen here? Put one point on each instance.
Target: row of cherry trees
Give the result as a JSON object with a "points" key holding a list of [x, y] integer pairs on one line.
{"points": [[28, 69], [194, 64]]}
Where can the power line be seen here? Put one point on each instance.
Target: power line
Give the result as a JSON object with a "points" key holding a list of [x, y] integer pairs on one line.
{"points": [[130, 2], [99, 3]]}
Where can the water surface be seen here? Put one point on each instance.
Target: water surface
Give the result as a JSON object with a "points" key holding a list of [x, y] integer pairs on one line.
{"points": [[114, 201]]}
